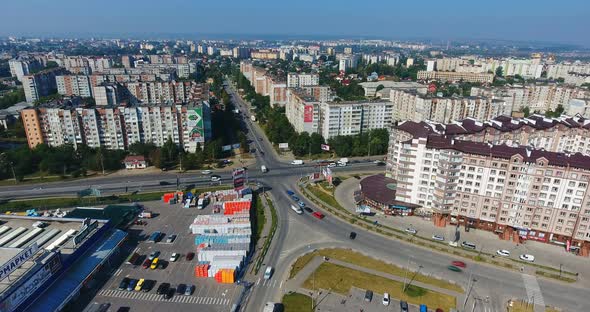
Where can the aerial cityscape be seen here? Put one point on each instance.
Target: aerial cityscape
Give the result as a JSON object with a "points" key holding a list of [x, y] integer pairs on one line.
{"points": [[294, 157]]}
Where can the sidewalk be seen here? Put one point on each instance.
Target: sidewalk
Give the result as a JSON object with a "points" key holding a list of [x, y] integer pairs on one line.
{"points": [[546, 254], [249, 274]]}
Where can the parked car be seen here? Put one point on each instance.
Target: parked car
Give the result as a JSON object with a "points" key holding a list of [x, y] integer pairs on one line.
{"points": [[403, 306], [148, 285], [180, 289], [131, 285], [411, 230], [139, 284], [163, 288], [301, 204], [190, 256], [453, 243], [290, 193], [368, 295], [189, 290], [146, 264], [386, 299], [352, 235], [308, 209], [460, 264], [318, 215], [169, 294], [468, 245], [174, 257], [295, 198], [154, 255], [527, 257], [171, 238], [124, 283], [503, 252], [437, 237]]}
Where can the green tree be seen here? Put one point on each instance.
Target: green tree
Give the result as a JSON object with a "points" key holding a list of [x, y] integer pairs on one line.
{"points": [[143, 149], [316, 140], [499, 71], [526, 111]]}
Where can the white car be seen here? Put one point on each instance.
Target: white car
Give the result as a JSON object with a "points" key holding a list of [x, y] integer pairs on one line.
{"points": [[174, 257], [386, 299], [215, 178], [438, 237], [503, 252], [206, 172], [527, 257], [331, 165], [411, 230], [453, 244]]}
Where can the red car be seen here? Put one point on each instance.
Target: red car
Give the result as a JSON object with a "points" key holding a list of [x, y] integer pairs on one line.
{"points": [[190, 256], [146, 264], [318, 215], [460, 264]]}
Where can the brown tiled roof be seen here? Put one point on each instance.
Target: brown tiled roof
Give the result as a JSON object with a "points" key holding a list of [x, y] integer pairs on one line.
{"points": [[375, 188]]}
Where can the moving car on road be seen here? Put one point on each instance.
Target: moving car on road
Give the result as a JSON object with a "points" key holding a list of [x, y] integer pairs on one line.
{"points": [[215, 178], [527, 257], [437, 237], [318, 215], [460, 264], [268, 272], [207, 172], [411, 230], [503, 252], [297, 162], [352, 235], [454, 268]]}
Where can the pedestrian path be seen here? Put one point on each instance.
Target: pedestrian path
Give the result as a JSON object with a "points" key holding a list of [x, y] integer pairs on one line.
{"points": [[533, 291], [155, 297]]}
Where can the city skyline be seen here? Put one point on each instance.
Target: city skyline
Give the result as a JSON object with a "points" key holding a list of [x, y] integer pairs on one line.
{"points": [[431, 21]]}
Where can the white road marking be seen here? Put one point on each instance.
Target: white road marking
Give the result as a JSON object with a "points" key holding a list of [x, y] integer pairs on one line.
{"points": [[281, 286], [155, 297], [533, 291]]}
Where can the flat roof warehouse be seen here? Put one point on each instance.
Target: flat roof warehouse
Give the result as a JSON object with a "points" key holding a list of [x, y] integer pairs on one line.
{"points": [[36, 252]]}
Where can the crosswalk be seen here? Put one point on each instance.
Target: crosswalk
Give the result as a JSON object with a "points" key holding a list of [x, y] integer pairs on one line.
{"points": [[155, 297], [533, 291], [269, 283]]}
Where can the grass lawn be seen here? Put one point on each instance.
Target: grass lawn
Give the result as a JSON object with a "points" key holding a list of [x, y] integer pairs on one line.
{"points": [[260, 218], [370, 263], [325, 197], [340, 279], [295, 302], [521, 306]]}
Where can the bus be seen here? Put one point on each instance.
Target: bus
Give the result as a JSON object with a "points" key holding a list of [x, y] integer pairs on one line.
{"points": [[155, 237]]}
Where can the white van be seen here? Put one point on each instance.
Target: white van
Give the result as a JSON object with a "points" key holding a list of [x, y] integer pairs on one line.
{"points": [[297, 162], [297, 209], [263, 169], [201, 203], [268, 272]]}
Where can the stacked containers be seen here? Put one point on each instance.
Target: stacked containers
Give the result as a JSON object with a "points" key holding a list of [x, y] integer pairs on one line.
{"points": [[209, 252], [167, 197], [225, 276], [202, 270], [236, 207]]}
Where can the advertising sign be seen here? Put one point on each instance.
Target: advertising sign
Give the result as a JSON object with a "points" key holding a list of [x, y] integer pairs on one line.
{"points": [[226, 148], [308, 113], [283, 145], [17, 260], [325, 147], [12, 302], [86, 229], [235, 146], [194, 124], [239, 178]]}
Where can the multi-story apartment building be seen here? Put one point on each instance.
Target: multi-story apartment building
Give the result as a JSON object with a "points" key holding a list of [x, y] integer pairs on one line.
{"points": [[410, 105], [106, 94], [40, 84], [456, 76], [74, 85], [308, 113], [167, 91], [296, 80], [371, 87], [21, 67], [516, 191], [536, 97], [265, 84], [264, 54], [562, 135], [117, 127]]}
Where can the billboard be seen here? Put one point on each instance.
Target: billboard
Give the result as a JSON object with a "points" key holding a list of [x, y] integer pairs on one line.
{"points": [[239, 178], [283, 145], [226, 148], [194, 125], [18, 260], [308, 113], [86, 229]]}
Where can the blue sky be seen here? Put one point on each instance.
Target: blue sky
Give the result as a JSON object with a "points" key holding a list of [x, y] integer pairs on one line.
{"points": [[566, 21]]}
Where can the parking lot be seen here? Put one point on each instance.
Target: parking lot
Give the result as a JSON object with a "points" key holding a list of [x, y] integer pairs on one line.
{"points": [[169, 219], [356, 302]]}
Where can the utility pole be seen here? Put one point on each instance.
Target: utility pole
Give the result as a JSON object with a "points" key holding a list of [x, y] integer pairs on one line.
{"points": [[413, 276], [471, 283], [369, 145]]}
